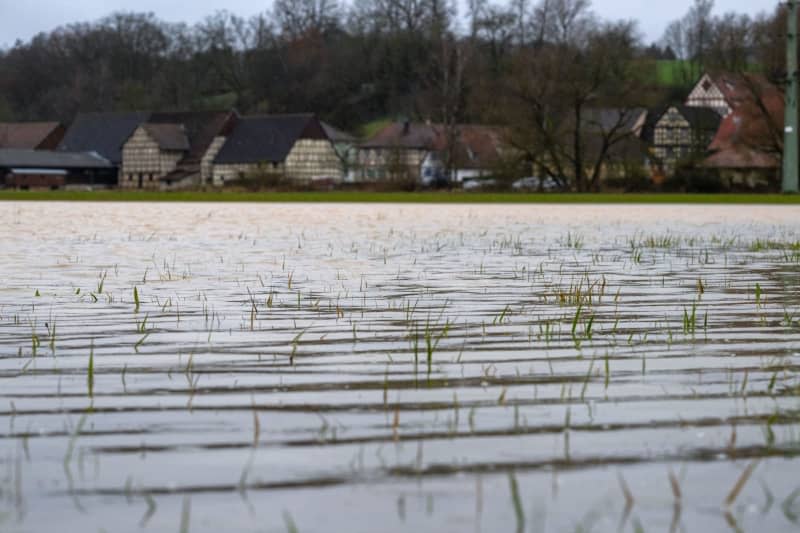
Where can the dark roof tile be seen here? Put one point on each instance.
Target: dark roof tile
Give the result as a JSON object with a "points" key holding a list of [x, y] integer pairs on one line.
{"points": [[168, 136], [14, 158], [268, 138], [104, 133]]}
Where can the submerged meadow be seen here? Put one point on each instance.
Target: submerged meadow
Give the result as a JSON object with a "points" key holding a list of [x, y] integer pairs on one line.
{"points": [[315, 367]]}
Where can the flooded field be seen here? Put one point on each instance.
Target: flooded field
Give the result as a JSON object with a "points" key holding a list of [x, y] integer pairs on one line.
{"points": [[315, 368]]}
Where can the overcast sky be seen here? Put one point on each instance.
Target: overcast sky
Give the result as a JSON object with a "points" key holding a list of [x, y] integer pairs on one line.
{"points": [[22, 19]]}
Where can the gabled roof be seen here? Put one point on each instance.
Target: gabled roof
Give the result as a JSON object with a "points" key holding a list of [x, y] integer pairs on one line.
{"points": [[733, 88], [268, 138], [198, 128], [751, 136], [737, 88], [475, 146], [46, 159], [168, 136], [30, 135], [699, 118], [756, 121], [104, 133], [336, 135]]}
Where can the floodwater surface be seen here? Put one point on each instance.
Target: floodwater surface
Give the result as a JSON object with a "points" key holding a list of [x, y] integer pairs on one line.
{"points": [[360, 368]]}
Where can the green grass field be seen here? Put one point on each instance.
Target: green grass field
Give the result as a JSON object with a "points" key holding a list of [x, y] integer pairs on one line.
{"points": [[677, 73], [371, 128], [413, 197]]}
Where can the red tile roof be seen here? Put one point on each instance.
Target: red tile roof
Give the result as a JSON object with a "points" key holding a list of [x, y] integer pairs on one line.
{"points": [[751, 135], [739, 88]]}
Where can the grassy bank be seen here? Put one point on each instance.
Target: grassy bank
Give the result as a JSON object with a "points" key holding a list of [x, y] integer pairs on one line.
{"points": [[415, 197]]}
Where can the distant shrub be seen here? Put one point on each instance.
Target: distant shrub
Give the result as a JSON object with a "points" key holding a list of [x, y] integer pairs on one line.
{"points": [[691, 177]]}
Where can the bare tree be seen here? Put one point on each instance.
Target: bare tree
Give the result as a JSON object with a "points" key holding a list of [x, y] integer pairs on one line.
{"points": [[450, 87], [575, 100], [520, 10], [571, 20], [476, 12], [297, 17], [699, 27], [731, 44]]}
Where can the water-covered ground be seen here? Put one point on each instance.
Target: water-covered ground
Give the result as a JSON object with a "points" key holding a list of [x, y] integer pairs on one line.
{"points": [[363, 368]]}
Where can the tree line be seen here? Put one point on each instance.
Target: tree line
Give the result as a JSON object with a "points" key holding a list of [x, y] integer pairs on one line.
{"points": [[537, 67]]}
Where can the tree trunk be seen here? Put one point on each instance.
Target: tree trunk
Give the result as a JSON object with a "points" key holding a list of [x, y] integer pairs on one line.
{"points": [[578, 150]]}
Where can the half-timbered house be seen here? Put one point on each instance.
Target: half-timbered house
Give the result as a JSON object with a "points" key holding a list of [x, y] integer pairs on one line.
{"points": [[171, 150], [726, 91], [102, 133], [678, 133], [274, 148]]}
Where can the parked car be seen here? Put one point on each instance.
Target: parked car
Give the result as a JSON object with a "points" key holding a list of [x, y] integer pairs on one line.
{"points": [[535, 183], [478, 184], [434, 182]]}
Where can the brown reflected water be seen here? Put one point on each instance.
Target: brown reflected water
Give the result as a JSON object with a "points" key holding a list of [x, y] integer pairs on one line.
{"points": [[267, 367]]}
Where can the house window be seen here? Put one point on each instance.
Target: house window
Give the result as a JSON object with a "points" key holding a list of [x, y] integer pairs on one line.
{"points": [[151, 177]]}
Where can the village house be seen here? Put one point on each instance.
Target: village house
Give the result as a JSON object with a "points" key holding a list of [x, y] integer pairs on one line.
{"points": [[419, 152], [102, 133], [173, 150], [725, 92], [746, 150], [678, 133], [31, 135], [274, 148]]}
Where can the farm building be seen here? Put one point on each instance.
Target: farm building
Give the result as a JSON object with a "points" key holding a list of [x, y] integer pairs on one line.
{"points": [[102, 133], [746, 150], [272, 148], [678, 133], [45, 169], [172, 150], [419, 152], [31, 135]]}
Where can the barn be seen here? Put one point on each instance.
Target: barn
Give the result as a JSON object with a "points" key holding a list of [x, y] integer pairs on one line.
{"points": [[274, 148], [45, 169]]}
